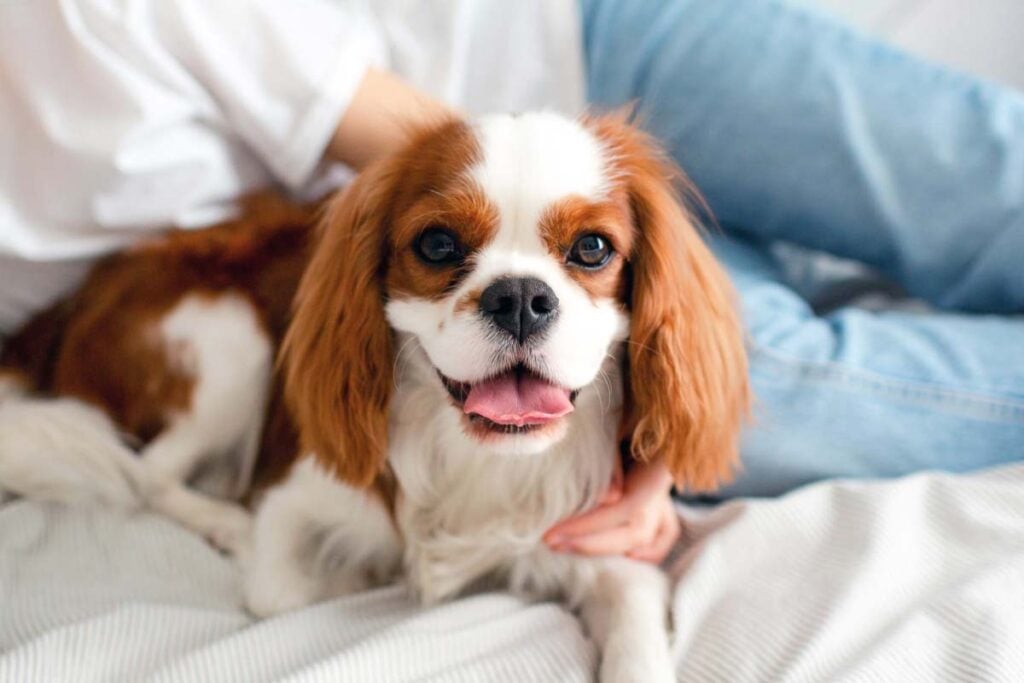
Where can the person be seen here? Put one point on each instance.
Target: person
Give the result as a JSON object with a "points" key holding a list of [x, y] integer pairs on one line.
{"points": [[799, 131]]}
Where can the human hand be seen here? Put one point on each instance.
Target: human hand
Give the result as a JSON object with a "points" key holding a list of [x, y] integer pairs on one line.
{"points": [[635, 518]]}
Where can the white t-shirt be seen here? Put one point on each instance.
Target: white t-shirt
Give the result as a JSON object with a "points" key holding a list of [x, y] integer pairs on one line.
{"points": [[119, 117]]}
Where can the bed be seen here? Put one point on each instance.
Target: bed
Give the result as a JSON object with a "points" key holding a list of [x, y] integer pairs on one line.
{"points": [[918, 579]]}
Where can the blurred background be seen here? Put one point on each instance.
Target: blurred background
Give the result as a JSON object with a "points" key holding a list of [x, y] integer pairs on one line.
{"points": [[985, 37]]}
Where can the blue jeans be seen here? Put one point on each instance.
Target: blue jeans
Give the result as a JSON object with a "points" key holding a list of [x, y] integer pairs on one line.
{"points": [[798, 129]]}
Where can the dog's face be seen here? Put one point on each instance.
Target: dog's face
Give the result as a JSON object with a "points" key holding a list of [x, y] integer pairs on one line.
{"points": [[517, 252], [508, 268]]}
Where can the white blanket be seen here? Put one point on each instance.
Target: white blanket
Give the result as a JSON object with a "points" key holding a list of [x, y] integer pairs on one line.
{"points": [[918, 579]]}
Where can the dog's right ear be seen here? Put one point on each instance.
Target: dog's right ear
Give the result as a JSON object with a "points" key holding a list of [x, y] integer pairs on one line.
{"points": [[688, 391], [337, 354]]}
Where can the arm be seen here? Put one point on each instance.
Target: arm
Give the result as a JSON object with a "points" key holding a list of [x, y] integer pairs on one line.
{"points": [[379, 119]]}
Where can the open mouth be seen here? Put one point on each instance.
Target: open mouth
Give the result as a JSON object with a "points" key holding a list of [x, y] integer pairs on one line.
{"points": [[517, 401]]}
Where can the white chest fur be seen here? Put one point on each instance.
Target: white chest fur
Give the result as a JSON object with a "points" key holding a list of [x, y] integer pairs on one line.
{"points": [[466, 512]]}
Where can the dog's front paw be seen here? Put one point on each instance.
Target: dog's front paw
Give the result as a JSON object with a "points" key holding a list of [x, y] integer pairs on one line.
{"points": [[271, 603], [231, 532], [265, 598], [638, 668]]}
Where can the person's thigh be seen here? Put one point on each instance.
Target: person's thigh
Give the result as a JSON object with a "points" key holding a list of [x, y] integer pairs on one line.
{"points": [[865, 394], [799, 128]]}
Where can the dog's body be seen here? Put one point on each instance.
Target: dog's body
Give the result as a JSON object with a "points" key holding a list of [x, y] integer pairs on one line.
{"points": [[481, 321]]}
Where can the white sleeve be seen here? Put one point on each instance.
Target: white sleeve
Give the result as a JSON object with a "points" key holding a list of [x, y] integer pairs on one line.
{"points": [[281, 72]]}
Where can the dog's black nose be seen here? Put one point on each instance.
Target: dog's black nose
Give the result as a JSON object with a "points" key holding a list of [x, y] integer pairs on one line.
{"points": [[522, 306]]}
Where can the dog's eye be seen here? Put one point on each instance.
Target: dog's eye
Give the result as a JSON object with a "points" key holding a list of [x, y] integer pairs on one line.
{"points": [[590, 251], [439, 246]]}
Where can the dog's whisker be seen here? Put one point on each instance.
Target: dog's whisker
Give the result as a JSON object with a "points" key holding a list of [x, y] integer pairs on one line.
{"points": [[608, 388], [645, 347], [398, 367]]}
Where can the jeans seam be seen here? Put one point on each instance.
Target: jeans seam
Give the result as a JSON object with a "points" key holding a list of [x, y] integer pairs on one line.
{"points": [[1008, 409]]}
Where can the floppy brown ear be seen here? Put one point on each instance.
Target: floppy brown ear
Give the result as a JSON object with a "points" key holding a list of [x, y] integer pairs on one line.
{"points": [[688, 390], [337, 354]]}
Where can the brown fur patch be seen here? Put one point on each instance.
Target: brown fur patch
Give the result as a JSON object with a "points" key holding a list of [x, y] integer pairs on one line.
{"points": [[32, 350], [567, 220], [433, 191]]}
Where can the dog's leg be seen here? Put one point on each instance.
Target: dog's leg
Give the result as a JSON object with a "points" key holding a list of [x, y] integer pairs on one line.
{"points": [[317, 538], [168, 461], [220, 343], [624, 605], [225, 525]]}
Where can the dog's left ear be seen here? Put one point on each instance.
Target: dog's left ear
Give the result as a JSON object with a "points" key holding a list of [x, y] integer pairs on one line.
{"points": [[687, 392]]}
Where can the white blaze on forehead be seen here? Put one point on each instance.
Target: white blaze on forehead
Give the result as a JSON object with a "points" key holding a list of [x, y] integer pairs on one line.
{"points": [[529, 162]]}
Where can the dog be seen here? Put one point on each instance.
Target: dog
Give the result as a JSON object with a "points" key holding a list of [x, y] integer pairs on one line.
{"points": [[473, 334]]}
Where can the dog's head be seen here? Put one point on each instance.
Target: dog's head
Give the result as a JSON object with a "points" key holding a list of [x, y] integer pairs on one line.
{"points": [[519, 252]]}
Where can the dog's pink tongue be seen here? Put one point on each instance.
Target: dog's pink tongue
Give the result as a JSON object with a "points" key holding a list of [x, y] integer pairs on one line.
{"points": [[518, 400]]}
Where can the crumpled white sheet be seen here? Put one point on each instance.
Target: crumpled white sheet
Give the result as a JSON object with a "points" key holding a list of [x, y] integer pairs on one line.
{"points": [[917, 579]]}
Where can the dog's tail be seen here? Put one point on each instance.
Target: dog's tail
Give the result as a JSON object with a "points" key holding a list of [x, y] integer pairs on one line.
{"points": [[62, 450]]}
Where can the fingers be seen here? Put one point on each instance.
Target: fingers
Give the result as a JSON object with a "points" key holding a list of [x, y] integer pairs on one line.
{"points": [[600, 518], [639, 532], [666, 537], [617, 541]]}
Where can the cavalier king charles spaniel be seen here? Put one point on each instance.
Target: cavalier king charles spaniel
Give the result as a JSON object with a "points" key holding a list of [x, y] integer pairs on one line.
{"points": [[474, 332]]}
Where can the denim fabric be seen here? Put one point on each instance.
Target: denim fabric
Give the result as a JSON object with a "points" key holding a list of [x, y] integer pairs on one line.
{"points": [[800, 129]]}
